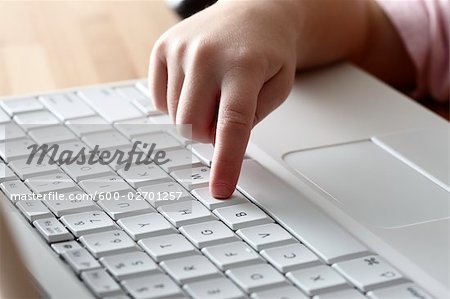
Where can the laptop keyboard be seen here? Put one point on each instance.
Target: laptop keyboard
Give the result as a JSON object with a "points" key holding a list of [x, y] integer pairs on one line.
{"points": [[178, 242]]}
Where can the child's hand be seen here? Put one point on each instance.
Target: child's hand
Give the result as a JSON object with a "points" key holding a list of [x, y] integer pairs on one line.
{"points": [[223, 70]]}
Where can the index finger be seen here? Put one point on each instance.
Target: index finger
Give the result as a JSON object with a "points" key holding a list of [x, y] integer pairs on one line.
{"points": [[238, 100]]}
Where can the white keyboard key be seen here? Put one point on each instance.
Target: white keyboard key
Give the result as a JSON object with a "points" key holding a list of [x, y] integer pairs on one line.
{"points": [[37, 119], [88, 222], [100, 282], [4, 118], [146, 225], [193, 178], [257, 277], [107, 243], [141, 175], [242, 215], [106, 140], [403, 291], [128, 265], [162, 141], [344, 294], [10, 131], [162, 119], [53, 134], [33, 209], [136, 127], [303, 219], [71, 203], [370, 272], [6, 173], [143, 87], [13, 107], [218, 288], [109, 105], [265, 236], [66, 106], [145, 106], [87, 125], [52, 230], [15, 149], [26, 171], [232, 255], [164, 194], [205, 197], [317, 280], [52, 182], [290, 257], [191, 268], [130, 92], [85, 171], [80, 260], [62, 247], [125, 207], [187, 212], [204, 151], [168, 247], [208, 233], [183, 140], [157, 286], [180, 159], [14, 189], [288, 292], [108, 186]]}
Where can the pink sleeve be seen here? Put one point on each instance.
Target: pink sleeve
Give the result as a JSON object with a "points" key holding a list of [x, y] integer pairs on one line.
{"points": [[423, 25]]}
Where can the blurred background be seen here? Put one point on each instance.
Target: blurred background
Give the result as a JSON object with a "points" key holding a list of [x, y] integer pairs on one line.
{"points": [[47, 45]]}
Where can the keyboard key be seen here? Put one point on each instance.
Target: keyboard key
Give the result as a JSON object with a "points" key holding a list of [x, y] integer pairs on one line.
{"points": [[52, 230], [33, 209], [71, 203], [257, 277], [193, 178], [66, 106], [162, 119], [164, 194], [80, 260], [344, 294], [14, 189], [208, 233], [85, 171], [100, 282], [130, 93], [153, 286], [191, 268], [265, 236], [317, 280], [167, 247], [403, 291], [128, 265], [6, 173], [146, 225], [37, 119], [288, 292], [242, 215], [108, 186], [187, 212], [107, 243], [204, 151], [205, 197], [290, 257], [15, 149], [4, 118], [180, 159], [145, 106], [109, 105], [106, 140], [136, 127], [125, 207], [13, 107], [53, 134], [59, 182], [368, 273], [141, 175], [10, 131], [26, 171], [88, 222], [87, 125], [232, 255], [218, 288], [62, 247], [162, 141]]}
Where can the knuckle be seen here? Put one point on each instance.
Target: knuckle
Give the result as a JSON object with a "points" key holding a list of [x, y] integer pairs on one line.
{"points": [[177, 49], [235, 119]]}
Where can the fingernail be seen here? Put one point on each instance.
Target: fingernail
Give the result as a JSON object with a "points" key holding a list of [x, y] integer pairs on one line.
{"points": [[221, 191]]}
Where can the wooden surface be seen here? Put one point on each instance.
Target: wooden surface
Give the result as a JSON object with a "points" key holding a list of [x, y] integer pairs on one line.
{"points": [[47, 45]]}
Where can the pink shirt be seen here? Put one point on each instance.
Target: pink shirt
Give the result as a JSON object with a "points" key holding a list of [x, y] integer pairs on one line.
{"points": [[423, 25]]}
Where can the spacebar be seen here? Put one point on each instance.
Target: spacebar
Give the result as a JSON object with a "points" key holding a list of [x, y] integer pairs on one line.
{"points": [[298, 215]]}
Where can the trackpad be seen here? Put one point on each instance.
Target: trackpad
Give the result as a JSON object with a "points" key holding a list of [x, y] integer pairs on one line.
{"points": [[372, 185]]}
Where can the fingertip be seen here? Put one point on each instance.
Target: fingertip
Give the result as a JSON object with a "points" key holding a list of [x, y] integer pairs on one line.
{"points": [[221, 190]]}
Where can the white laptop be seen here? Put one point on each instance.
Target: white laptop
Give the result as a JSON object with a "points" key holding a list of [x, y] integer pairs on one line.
{"points": [[344, 193]]}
